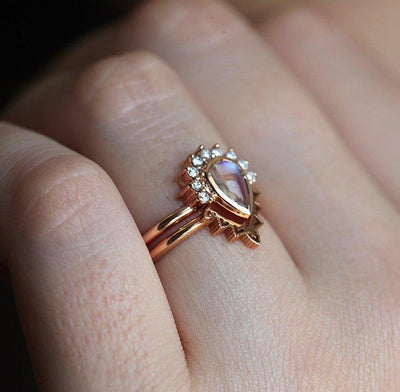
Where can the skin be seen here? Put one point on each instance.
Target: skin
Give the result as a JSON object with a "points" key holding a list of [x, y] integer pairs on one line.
{"points": [[88, 155]]}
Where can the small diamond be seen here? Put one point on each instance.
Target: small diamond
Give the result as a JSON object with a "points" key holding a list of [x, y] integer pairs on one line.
{"points": [[231, 154], [197, 161], [217, 152], [243, 164], [203, 197], [205, 153], [196, 185], [192, 171], [251, 176]]}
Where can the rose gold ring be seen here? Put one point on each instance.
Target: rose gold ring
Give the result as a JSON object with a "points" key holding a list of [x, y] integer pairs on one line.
{"points": [[218, 192]]}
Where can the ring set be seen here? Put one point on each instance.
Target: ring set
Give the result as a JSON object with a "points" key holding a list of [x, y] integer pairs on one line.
{"points": [[218, 192]]}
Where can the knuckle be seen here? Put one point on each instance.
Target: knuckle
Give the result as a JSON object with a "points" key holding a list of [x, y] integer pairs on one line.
{"points": [[62, 192], [115, 87]]}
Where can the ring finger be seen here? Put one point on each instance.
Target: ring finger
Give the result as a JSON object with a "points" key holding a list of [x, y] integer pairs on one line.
{"points": [[317, 196], [132, 116]]}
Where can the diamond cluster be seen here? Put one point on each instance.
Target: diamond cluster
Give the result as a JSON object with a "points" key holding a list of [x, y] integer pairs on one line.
{"points": [[198, 163]]}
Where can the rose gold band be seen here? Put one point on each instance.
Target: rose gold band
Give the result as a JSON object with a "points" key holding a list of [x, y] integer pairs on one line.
{"points": [[172, 230], [217, 191]]}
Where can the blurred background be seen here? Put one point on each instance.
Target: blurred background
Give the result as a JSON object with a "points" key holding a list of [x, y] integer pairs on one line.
{"points": [[32, 31]]}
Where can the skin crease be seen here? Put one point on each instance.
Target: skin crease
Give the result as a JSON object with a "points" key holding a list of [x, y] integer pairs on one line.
{"points": [[315, 308]]}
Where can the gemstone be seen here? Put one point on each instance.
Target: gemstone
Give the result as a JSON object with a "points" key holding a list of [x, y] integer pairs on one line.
{"points": [[217, 152], [203, 197], [251, 176], [192, 172], [197, 161], [205, 153], [243, 164], [196, 185], [228, 182], [231, 154]]}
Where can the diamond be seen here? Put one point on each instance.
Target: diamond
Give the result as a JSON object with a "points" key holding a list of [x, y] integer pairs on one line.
{"points": [[251, 176], [217, 152], [227, 180], [231, 154], [243, 164], [197, 161], [203, 197], [192, 171], [196, 185], [205, 153]]}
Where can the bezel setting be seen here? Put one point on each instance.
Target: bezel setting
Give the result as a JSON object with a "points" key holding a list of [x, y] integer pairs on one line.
{"points": [[224, 213]]}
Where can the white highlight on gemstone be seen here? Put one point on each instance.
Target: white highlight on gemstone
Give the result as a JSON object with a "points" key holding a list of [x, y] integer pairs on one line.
{"points": [[231, 154], [192, 172], [203, 197], [217, 152], [197, 161], [243, 164], [196, 185]]}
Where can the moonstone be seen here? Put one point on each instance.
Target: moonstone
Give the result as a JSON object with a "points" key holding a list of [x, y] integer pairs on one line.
{"points": [[228, 182]]}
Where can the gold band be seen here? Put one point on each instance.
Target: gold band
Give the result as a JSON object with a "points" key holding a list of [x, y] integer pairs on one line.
{"points": [[217, 192], [170, 231]]}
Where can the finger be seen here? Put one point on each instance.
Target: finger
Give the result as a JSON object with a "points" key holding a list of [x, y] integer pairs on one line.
{"points": [[315, 194], [361, 100], [375, 25], [255, 9], [91, 304], [133, 116]]}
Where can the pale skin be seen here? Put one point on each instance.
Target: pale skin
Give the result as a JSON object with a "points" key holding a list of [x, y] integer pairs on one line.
{"points": [[88, 157]]}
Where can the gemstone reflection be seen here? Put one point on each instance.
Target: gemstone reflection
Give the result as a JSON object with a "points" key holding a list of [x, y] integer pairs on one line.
{"points": [[228, 182]]}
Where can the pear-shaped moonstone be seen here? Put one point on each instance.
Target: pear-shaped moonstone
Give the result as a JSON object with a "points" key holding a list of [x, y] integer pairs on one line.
{"points": [[229, 184]]}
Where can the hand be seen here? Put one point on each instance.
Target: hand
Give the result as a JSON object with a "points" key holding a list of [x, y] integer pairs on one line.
{"points": [[316, 307]]}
